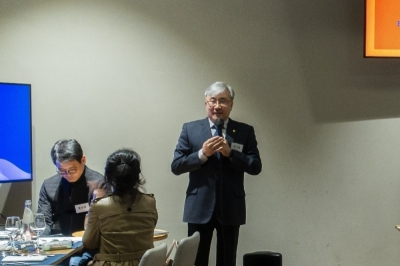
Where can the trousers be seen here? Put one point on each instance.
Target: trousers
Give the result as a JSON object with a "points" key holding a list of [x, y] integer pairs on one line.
{"points": [[227, 241]]}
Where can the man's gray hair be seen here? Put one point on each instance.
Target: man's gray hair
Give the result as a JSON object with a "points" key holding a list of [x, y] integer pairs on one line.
{"points": [[217, 88]]}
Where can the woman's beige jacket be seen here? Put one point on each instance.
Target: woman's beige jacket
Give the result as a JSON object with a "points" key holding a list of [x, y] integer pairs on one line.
{"points": [[122, 233]]}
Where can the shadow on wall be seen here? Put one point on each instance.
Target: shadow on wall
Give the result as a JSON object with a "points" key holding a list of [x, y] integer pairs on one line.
{"points": [[325, 42], [342, 85], [13, 196]]}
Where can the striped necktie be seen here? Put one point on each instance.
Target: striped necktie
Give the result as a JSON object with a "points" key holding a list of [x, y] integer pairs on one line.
{"points": [[216, 130], [218, 154]]}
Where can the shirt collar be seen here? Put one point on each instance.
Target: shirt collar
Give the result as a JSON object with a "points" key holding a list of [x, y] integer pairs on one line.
{"points": [[225, 123]]}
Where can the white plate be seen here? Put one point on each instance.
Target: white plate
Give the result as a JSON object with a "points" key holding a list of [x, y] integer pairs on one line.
{"points": [[24, 258], [160, 232]]}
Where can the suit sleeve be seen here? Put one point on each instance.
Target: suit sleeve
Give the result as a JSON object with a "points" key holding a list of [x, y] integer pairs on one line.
{"points": [[248, 160], [186, 158]]}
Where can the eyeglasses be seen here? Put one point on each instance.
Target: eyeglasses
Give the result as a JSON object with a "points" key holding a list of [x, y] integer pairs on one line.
{"points": [[68, 172], [213, 103]]}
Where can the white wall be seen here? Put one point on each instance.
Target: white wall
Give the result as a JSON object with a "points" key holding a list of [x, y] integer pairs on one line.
{"points": [[128, 73]]}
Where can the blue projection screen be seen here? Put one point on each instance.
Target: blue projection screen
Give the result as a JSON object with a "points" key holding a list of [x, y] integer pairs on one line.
{"points": [[15, 133]]}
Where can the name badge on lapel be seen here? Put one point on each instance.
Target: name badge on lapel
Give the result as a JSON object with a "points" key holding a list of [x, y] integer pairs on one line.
{"points": [[84, 207], [237, 147]]}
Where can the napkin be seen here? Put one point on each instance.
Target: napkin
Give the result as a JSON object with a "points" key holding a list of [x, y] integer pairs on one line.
{"points": [[3, 244], [55, 245]]}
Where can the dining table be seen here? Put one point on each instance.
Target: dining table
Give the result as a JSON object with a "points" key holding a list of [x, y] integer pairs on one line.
{"points": [[397, 226], [57, 256], [48, 257]]}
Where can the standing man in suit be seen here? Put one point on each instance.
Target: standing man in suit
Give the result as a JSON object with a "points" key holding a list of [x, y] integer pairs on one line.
{"points": [[216, 162]]}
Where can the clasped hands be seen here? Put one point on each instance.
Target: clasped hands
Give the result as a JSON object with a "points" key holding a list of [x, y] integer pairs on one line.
{"points": [[216, 144]]}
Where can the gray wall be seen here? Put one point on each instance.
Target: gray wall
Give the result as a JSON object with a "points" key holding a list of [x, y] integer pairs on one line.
{"points": [[12, 198], [128, 73]]}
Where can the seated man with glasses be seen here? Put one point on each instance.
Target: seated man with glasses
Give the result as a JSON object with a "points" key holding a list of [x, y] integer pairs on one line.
{"points": [[65, 197]]}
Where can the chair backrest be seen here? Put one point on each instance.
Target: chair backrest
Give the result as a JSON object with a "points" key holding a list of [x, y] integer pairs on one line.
{"points": [[154, 256], [186, 251]]}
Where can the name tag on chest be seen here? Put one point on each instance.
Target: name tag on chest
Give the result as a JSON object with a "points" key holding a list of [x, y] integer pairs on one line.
{"points": [[237, 147], [84, 207]]}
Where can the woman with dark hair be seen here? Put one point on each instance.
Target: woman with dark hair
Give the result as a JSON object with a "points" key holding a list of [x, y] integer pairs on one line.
{"points": [[121, 225]]}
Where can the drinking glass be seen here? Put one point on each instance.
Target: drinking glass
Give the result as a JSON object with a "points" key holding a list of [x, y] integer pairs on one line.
{"points": [[13, 227], [37, 226]]}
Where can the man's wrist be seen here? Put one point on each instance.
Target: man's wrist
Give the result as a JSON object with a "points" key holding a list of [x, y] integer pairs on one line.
{"points": [[202, 156]]}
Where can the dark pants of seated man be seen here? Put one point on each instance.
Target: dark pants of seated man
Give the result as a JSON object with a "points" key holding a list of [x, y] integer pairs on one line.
{"points": [[82, 258]]}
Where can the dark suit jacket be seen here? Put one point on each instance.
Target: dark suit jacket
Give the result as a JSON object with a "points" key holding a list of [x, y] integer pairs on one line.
{"points": [[216, 183]]}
